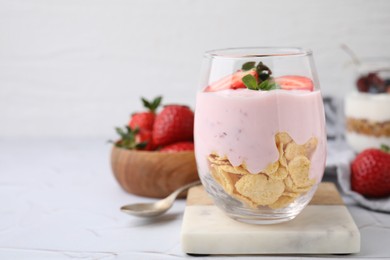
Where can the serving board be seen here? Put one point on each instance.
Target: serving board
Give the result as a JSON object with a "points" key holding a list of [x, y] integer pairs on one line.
{"points": [[325, 226]]}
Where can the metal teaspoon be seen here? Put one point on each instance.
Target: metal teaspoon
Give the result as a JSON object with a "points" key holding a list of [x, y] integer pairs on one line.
{"points": [[157, 208]]}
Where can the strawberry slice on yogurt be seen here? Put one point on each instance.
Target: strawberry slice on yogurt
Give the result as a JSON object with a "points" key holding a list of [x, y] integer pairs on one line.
{"points": [[233, 81], [291, 82]]}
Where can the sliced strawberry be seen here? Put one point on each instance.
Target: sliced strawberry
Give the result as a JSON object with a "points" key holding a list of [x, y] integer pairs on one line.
{"points": [[295, 83], [233, 81], [178, 147]]}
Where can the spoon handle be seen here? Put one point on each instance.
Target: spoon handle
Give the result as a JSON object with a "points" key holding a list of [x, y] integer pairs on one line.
{"points": [[182, 189]]}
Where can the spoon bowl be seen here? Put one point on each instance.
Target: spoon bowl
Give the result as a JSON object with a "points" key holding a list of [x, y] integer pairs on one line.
{"points": [[157, 208]]}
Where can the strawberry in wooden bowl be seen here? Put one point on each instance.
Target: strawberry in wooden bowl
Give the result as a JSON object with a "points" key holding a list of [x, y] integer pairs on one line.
{"points": [[155, 153]]}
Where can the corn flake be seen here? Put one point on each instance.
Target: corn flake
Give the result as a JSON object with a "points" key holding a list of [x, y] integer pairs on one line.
{"points": [[218, 160], [244, 200], [282, 202], [299, 170], [282, 159], [271, 168], [259, 189], [293, 150], [282, 137], [310, 146], [280, 174], [223, 178], [234, 169]]}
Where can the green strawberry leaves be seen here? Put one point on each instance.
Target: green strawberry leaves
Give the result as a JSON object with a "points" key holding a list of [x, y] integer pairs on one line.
{"points": [[152, 106], [264, 80], [385, 148], [128, 138], [133, 138]]}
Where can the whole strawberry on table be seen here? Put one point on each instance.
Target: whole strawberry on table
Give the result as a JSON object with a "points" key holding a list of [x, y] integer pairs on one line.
{"points": [[170, 130], [370, 172]]}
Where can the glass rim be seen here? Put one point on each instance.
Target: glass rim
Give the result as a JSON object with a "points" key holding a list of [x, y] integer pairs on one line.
{"points": [[367, 64], [373, 60], [258, 52]]}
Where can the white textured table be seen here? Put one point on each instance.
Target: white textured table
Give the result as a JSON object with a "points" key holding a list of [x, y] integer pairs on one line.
{"points": [[59, 201]]}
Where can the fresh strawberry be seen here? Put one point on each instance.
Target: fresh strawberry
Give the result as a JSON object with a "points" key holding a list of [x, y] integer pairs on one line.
{"points": [[178, 147], [145, 120], [142, 120], [175, 123], [145, 136], [233, 81], [295, 83], [370, 173]]}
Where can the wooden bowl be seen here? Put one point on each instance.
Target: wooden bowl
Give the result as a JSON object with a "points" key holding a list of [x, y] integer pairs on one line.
{"points": [[152, 174]]}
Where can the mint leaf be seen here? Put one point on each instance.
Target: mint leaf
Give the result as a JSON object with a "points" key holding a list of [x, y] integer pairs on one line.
{"points": [[265, 80], [248, 65], [275, 86], [267, 85], [250, 82]]}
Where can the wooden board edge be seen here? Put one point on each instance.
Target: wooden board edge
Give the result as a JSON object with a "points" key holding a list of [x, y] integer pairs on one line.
{"points": [[326, 194]]}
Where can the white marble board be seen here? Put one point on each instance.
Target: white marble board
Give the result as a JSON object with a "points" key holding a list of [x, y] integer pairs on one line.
{"points": [[324, 227]]}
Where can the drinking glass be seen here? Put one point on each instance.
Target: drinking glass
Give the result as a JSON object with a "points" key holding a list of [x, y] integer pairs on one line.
{"points": [[260, 140], [367, 107]]}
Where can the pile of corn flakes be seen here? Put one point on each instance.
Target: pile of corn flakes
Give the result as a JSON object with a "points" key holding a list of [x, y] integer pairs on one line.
{"points": [[278, 185]]}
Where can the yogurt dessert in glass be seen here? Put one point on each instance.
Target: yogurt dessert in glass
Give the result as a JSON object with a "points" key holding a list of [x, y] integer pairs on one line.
{"points": [[260, 141], [367, 109]]}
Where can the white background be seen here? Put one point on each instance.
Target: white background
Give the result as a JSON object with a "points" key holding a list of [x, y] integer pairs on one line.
{"points": [[77, 68], [71, 70]]}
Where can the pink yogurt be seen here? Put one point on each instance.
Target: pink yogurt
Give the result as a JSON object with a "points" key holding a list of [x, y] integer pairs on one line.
{"points": [[241, 124]]}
